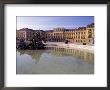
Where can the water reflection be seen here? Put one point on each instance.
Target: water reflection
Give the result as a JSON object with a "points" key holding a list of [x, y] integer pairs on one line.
{"points": [[86, 56], [35, 54], [55, 60]]}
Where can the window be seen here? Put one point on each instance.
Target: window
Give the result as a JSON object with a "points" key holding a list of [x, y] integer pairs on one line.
{"points": [[79, 37], [89, 29], [90, 35]]}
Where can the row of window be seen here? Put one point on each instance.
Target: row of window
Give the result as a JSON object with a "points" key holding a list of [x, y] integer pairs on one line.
{"points": [[77, 33], [82, 37], [68, 33], [22, 35]]}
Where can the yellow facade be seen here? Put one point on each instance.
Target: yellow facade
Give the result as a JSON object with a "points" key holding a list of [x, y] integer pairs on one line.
{"points": [[81, 35]]}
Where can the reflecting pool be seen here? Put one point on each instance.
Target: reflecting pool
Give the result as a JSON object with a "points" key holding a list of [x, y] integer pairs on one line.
{"points": [[54, 60]]}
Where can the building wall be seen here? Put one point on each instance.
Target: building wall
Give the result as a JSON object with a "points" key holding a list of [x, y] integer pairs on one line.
{"points": [[49, 35], [25, 34], [58, 34], [90, 35], [21, 35]]}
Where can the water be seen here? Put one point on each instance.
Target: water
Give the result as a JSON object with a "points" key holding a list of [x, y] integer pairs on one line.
{"points": [[54, 61]]}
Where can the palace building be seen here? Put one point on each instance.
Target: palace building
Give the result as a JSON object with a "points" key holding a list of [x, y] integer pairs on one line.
{"points": [[81, 35], [25, 34]]}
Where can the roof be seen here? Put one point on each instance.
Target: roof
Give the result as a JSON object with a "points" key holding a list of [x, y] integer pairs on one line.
{"points": [[82, 28], [26, 29], [90, 25], [49, 31]]}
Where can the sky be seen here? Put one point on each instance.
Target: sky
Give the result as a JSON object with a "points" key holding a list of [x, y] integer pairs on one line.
{"points": [[50, 22]]}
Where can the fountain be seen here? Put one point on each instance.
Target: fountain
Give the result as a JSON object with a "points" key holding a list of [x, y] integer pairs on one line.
{"points": [[35, 43]]}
